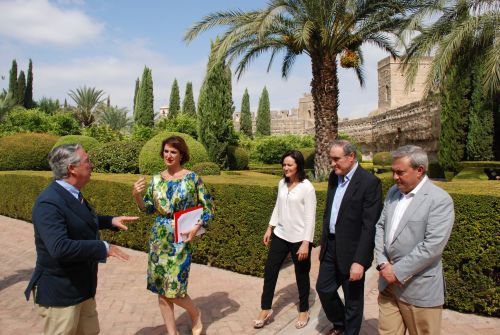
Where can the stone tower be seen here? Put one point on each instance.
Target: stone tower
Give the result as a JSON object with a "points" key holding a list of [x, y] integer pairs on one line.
{"points": [[391, 84]]}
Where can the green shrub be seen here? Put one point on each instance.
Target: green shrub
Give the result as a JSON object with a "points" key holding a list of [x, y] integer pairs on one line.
{"points": [[102, 133], [88, 143], [150, 161], [206, 169], [237, 158], [143, 133], [181, 123], [435, 170], [26, 151], [64, 123], [471, 258], [269, 149], [382, 158], [483, 164], [21, 120], [308, 154], [117, 157]]}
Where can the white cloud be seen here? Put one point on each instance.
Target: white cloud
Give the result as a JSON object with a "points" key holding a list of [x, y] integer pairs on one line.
{"points": [[39, 22]]}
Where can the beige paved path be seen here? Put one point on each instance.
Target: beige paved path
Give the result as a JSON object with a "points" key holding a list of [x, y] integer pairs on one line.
{"points": [[229, 300]]}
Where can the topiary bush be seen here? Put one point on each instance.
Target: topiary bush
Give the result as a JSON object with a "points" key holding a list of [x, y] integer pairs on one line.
{"points": [[88, 143], [435, 170], [117, 157], [237, 158], [308, 154], [150, 161], [26, 151], [383, 158], [206, 169]]}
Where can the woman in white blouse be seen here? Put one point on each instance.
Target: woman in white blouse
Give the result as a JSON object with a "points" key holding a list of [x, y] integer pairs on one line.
{"points": [[290, 230]]}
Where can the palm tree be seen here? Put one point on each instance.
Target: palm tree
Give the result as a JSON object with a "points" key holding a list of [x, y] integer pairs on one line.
{"points": [[321, 29], [115, 117], [464, 29], [87, 99]]}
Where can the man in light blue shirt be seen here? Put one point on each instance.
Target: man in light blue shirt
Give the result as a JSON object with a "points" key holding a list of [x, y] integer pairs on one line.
{"points": [[353, 206]]}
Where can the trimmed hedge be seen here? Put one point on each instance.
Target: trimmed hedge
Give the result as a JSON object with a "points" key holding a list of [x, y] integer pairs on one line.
{"points": [[150, 161], [26, 151], [234, 238], [206, 169], [88, 143], [483, 164], [117, 157], [237, 158]]}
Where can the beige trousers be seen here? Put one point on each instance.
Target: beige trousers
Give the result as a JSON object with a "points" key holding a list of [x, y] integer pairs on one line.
{"points": [[396, 316], [80, 319]]}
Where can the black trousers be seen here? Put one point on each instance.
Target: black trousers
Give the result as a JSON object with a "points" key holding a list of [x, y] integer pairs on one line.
{"points": [[350, 315], [277, 253]]}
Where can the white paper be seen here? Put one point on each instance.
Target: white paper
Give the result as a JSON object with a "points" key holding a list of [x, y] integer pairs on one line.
{"points": [[187, 221]]}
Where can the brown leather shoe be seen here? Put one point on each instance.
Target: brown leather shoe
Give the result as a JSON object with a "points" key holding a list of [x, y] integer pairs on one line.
{"points": [[334, 331]]}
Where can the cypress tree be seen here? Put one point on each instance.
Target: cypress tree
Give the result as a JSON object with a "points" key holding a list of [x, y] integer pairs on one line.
{"points": [[13, 78], [479, 145], [21, 88], [246, 116], [215, 109], [175, 101], [454, 109], [188, 105], [263, 126], [144, 115], [28, 94], [136, 91]]}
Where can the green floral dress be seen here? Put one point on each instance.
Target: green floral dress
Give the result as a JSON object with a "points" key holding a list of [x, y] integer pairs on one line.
{"points": [[169, 262]]}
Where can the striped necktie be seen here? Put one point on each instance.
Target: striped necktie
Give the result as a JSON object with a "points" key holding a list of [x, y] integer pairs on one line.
{"points": [[80, 197]]}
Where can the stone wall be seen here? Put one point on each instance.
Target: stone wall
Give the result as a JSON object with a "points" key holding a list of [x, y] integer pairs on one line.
{"points": [[416, 123]]}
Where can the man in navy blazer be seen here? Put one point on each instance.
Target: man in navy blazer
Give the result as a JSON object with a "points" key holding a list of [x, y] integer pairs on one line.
{"points": [[353, 206], [68, 246]]}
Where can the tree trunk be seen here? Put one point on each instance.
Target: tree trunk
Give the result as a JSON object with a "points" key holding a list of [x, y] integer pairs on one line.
{"points": [[325, 93]]}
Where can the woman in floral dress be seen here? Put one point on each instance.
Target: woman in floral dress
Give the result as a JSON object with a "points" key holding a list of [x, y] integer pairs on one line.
{"points": [[170, 191]]}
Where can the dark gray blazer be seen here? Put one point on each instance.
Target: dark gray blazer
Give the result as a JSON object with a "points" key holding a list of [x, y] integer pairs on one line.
{"points": [[359, 211], [67, 246]]}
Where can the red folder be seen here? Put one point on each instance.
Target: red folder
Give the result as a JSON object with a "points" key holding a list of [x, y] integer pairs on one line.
{"points": [[178, 220]]}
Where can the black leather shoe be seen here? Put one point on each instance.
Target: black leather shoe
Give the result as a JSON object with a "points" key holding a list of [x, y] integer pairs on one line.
{"points": [[336, 332]]}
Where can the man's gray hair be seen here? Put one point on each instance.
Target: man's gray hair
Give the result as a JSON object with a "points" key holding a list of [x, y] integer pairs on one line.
{"points": [[63, 156], [417, 155], [347, 146]]}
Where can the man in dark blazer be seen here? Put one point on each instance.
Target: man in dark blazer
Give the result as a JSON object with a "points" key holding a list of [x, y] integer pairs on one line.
{"points": [[68, 246], [353, 206]]}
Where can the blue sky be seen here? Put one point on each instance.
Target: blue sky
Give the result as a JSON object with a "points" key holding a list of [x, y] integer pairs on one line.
{"points": [[106, 44]]}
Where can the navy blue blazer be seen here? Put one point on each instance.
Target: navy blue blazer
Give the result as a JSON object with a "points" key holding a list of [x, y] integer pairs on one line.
{"points": [[67, 246], [358, 213]]}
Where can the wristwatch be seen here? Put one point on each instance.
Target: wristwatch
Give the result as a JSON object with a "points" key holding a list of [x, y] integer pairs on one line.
{"points": [[380, 266]]}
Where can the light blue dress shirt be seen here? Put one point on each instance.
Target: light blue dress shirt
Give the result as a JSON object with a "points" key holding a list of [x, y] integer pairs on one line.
{"points": [[339, 195], [76, 192]]}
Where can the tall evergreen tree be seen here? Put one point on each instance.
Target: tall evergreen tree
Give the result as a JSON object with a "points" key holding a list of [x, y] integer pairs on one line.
{"points": [[144, 115], [215, 109], [263, 122], [175, 101], [136, 92], [454, 108], [188, 105], [246, 116], [479, 145], [21, 88], [13, 79], [28, 94]]}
